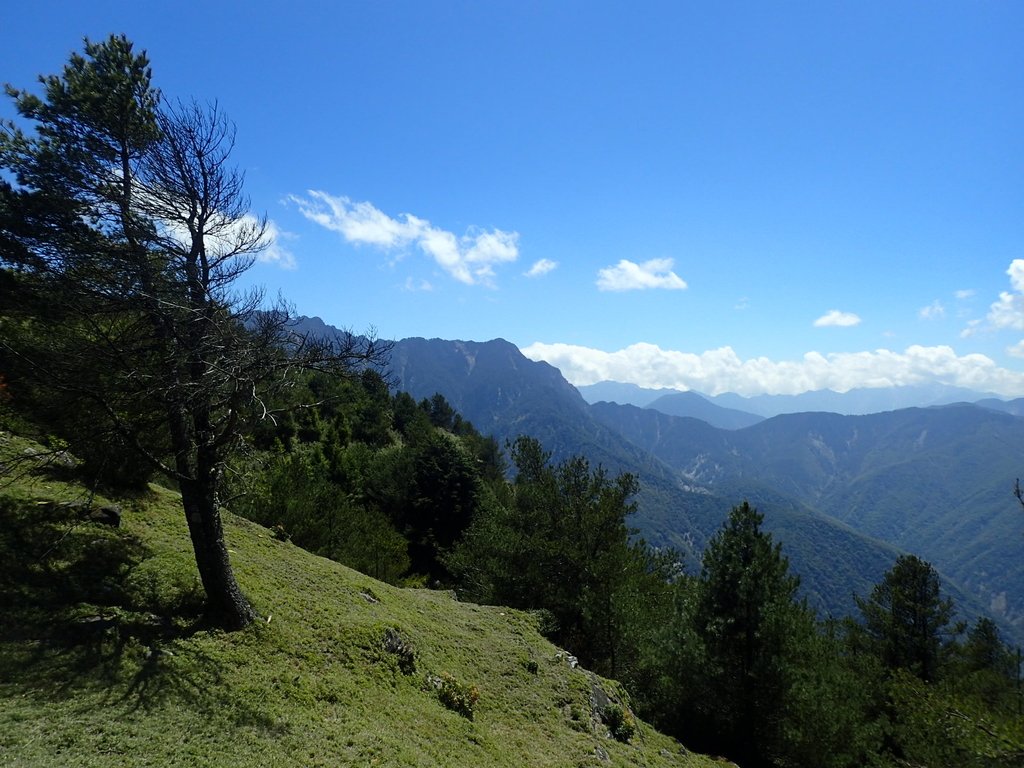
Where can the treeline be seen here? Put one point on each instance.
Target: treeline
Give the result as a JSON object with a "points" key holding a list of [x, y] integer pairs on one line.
{"points": [[729, 659]]}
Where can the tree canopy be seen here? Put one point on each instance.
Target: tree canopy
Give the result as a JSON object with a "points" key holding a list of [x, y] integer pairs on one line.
{"points": [[907, 617]]}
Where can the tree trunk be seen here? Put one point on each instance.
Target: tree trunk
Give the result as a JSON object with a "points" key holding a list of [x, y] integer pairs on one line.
{"points": [[227, 607]]}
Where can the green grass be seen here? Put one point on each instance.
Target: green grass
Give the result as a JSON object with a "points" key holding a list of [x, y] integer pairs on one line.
{"points": [[104, 660]]}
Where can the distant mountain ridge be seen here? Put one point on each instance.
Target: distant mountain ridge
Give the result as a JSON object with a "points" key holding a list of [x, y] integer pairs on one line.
{"points": [[851, 403], [933, 481], [695, 406]]}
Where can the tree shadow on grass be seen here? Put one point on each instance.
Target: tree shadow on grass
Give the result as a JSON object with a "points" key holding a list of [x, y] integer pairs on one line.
{"points": [[83, 609]]}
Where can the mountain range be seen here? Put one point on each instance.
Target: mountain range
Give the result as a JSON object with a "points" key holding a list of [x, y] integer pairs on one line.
{"points": [[845, 494], [851, 403]]}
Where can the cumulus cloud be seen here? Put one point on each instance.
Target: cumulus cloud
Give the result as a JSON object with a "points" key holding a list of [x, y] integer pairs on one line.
{"points": [[933, 311], [630, 276], [541, 267], [835, 318], [470, 258], [964, 294], [722, 370], [1008, 311]]}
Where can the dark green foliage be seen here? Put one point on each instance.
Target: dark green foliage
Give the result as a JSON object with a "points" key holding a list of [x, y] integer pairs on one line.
{"points": [[906, 618], [556, 539], [443, 496], [938, 725], [751, 628], [64, 240], [441, 414], [985, 651], [832, 704], [298, 497], [125, 235], [367, 479], [620, 722], [984, 667], [740, 667]]}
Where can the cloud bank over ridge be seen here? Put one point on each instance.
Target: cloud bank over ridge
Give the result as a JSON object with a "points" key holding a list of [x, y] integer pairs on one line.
{"points": [[722, 370]]}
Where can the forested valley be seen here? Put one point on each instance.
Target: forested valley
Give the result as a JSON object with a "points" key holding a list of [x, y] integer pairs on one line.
{"points": [[128, 352]]}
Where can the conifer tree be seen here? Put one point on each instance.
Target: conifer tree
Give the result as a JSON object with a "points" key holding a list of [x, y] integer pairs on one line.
{"points": [[747, 617], [122, 238], [906, 617]]}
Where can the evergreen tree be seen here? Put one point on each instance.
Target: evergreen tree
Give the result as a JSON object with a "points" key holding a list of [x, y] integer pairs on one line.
{"points": [[749, 623], [556, 539], [906, 617]]}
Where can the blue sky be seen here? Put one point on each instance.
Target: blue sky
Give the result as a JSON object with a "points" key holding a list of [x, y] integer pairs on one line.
{"points": [[752, 197]]}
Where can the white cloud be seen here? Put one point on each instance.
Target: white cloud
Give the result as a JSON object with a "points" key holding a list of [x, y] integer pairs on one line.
{"points": [[721, 370], [541, 267], [630, 276], [470, 259], [835, 318], [275, 253], [417, 285], [933, 311], [1008, 311], [973, 326], [1016, 350], [964, 294], [223, 234]]}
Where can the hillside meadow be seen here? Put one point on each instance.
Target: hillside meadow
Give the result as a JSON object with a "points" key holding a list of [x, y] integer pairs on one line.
{"points": [[104, 660]]}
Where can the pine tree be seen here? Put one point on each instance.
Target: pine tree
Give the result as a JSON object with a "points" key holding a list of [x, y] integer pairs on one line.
{"points": [[124, 235], [747, 617], [906, 617]]}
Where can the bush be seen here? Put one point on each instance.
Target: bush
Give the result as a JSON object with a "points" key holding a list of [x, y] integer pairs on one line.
{"points": [[620, 722], [457, 696]]}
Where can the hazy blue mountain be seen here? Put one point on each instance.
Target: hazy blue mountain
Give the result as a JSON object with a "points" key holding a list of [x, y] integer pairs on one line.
{"points": [[624, 394], [505, 394], [693, 405], [853, 402], [1015, 407]]}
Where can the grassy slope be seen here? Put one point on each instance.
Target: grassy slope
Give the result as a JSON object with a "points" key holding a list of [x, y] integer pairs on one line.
{"points": [[96, 670]]}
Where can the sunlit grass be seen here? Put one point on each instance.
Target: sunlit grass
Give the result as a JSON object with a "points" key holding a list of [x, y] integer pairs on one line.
{"points": [[104, 659]]}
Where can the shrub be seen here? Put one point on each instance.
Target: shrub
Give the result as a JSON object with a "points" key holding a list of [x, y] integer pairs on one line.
{"points": [[457, 696], [620, 722]]}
